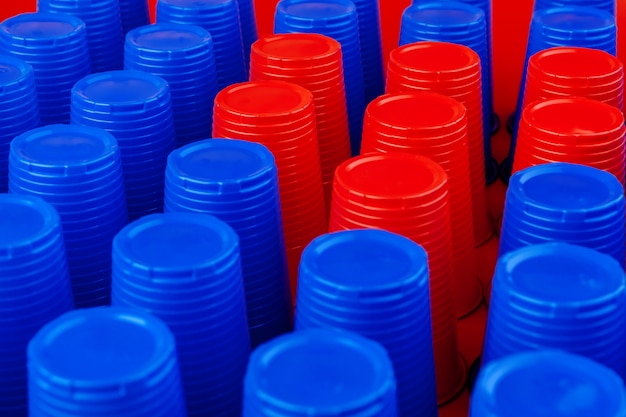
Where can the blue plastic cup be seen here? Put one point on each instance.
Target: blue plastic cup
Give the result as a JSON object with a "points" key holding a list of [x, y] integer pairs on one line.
{"points": [[558, 296], [607, 5], [134, 14], [34, 289], [136, 107], [320, 372], [78, 170], [571, 203], [19, 107], [337, 19], [104, 28], [55, 45], [104, 362], [237, 182], [185, 268], [547, 383], [221, 19], [585, 27], [183, 56], [374, 283], [249, 35], [464, 24]]}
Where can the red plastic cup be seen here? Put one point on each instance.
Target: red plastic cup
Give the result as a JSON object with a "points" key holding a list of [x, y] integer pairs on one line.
{"points": [[575, 72], [454, 71], [576, 130], [439, 131], [408, 194], [269, 112], [314, 62]]}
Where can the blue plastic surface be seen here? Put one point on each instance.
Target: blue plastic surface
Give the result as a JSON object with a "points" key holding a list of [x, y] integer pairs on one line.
{"points": [[339, 20], [374, 283], [19, 107], [78, 170], [564, 202], [237, 182], [221, 19], [559, 296], [461, 23], [136, 108], [579, 26], [104, 28], [105, 361], [185, 268], [35, 287], [607, 5], [134, 14], [183, 56], [320, 373], [249, 35], [547, 383]]}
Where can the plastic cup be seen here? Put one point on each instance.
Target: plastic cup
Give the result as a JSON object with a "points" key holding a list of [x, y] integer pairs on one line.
{"points": [[547, 381], [564, 202], [588, 130], [558, 296], [183, 56], [104, 361], [237, 182], [104, 28], [19, 107], [33, 265], [607, 5], [281, 373], [465, 24], [454, 71], [45, 41], [375, 283], [136, 108], [410, 194], [299, 58], [266, 112], [134, 14], [247, 19], [438, 131], [221, 18], [337, 19], [185, 268], [577, 26]]}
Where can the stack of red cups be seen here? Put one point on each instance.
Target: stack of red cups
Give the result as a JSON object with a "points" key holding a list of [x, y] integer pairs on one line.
{"points": [[281, 116], [454, 71], [575, 130], [408, 194], [437, 130], [314, 62]]}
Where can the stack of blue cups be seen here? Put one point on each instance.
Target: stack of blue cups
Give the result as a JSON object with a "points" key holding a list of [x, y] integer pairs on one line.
{"points": [[185, 268], [547, 383], [104, 28], [78, 170], [221, 19], [136, 108], [607, 5], [585, 27], [55, 45], [104, 362], [19, 107], [564, 202], [464, 24], [35, 288], [237, 182], [558, 296], [375, 283], [247, 18], [371, 48], [134, 14], [183, 56], [320, 372], [337, 19]]}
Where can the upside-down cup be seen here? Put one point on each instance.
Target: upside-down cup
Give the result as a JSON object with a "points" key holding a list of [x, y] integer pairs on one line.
{"points": [[134, 14], [454, 71], [607, 5], [408, 195], [247, 18], [435, 126]]}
